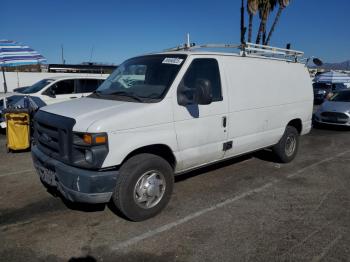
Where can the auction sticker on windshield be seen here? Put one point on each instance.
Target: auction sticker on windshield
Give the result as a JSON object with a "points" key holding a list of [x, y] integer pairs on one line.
{"points": [[172, 61]]}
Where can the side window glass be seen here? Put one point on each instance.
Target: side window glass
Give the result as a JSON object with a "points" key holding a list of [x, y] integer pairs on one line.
{"points": [[204, 69], [63, 87], [87, 85]]}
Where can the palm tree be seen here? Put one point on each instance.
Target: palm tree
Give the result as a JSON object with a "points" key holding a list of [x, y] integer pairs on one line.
{"points": [[282, 5], [265, 7], [252, 7]]}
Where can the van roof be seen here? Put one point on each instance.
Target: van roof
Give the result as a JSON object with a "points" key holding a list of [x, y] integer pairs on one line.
{"points": [[199, 53]]}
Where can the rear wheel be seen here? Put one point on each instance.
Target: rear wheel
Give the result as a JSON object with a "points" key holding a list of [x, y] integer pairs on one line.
{"points": [[287, 148], [144, 186]]}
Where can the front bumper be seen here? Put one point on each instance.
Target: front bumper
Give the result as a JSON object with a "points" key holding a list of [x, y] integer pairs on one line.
{"points": [[322, 120], [75, 184]]}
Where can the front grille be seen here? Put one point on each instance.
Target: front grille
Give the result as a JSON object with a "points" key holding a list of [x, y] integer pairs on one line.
{"points": [[53, 135], [335, 117]]}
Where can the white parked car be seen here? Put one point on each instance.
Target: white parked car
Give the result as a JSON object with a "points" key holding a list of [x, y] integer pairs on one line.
{"points": [[60, 88], [53, 90], [177, 111]]}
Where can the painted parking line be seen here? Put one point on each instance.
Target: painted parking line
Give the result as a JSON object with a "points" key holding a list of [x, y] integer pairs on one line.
{"points": [[16, 172], [169, 226], [325, 251]]}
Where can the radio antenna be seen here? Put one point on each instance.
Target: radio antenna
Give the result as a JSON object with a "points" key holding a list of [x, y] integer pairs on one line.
{"points": [[188, 43]]}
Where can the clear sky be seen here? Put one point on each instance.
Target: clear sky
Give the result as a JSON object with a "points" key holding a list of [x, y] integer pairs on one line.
{"points": [[117, 30]]}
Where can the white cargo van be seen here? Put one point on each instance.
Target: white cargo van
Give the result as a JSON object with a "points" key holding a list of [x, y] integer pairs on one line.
{"points": [[163, 114]]}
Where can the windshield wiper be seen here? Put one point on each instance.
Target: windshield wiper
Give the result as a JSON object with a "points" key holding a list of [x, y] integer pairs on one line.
{"points": [[127, 94]]}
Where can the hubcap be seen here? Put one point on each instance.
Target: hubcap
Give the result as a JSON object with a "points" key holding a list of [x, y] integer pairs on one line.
{"points": [[290, 145], [149, 189]]}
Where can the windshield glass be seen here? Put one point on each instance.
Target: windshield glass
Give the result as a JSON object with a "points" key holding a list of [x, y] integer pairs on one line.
{"points": [[141, 79], [341, 97], [37, 86]]}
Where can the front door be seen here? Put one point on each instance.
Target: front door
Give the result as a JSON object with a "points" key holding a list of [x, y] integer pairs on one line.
{"points": [[201, 129]]}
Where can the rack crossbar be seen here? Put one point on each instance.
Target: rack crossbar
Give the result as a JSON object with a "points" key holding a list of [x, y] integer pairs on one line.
{"points": [[248, 48]]}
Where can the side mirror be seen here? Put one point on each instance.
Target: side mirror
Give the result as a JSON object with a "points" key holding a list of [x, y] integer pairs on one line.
{"points": [[317, 61], [203, 92], [185, 95]]}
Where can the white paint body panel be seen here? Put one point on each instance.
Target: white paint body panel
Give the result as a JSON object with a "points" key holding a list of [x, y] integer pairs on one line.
{"points": [[264, 96], [260, 97]]}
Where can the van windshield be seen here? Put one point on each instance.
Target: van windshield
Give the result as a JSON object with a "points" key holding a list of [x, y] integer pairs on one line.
{"points": [[37, 86], [141, 79]]}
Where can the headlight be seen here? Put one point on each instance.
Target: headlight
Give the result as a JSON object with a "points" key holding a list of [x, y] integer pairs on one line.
{"points": [[89, 149], [89, 156], [95, 139], [90, 139]]}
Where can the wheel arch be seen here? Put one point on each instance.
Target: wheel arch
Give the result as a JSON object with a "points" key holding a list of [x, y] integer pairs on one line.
{"points": [[160, 150], [297, 124]]}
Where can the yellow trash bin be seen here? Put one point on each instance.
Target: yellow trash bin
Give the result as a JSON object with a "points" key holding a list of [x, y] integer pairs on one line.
{"points": [[17, 131]]}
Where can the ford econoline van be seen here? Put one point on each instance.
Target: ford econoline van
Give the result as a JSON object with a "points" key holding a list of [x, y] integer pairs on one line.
{"points": [[164, 114]]}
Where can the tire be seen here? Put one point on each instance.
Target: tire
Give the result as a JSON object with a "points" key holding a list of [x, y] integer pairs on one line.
{"points": [[141, 178], [287, 148]]}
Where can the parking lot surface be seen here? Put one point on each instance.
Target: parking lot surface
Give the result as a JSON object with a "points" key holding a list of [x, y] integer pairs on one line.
{"points": [[246, 209]]}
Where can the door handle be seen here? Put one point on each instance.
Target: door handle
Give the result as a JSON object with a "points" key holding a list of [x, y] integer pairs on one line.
{"points": [[224, 121], [73, 97]]}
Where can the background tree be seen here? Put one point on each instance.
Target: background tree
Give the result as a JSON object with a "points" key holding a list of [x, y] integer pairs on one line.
{"points": [[282, 5], [265, 8], [252, 8]]}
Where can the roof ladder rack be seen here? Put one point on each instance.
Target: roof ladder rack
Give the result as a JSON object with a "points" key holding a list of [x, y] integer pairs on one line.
{"points": [[247, 48], [269, 50]]}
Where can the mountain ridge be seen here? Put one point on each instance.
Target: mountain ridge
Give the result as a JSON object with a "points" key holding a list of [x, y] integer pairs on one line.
{"points": [[337, 66]]}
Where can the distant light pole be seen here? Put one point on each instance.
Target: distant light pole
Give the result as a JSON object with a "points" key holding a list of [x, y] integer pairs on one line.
{"points": [[62, 55]]}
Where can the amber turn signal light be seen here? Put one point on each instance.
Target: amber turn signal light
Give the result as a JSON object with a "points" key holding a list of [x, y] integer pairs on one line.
{"points": [[95, 139], [100, 139], [87, 139]]}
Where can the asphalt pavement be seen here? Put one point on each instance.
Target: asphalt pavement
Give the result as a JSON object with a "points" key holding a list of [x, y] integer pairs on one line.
{"points": [[247, 209]]}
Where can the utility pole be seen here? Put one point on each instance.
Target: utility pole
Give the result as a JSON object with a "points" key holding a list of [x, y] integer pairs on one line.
{"points": [[62, 55], [91, 53]]}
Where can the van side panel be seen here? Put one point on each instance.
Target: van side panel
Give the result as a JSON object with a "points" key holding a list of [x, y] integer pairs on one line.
{"points": [[264, 95]]}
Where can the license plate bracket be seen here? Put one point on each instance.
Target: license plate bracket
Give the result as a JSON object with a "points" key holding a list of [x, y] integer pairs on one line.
{"points": [[47, 175]]}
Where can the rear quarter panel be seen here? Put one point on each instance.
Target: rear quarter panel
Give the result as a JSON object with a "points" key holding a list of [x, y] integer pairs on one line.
{"points": [[264, 95]]}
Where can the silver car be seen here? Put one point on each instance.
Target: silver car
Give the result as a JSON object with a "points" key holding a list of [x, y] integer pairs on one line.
{"points": [[335, 111]]}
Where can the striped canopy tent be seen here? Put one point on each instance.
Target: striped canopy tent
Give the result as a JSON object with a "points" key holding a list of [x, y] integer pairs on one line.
{"points": [[332, 77], [15, 54]]}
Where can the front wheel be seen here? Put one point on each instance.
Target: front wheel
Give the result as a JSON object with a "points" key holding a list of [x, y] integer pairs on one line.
{"points": [[287, 148], [144, 186]]}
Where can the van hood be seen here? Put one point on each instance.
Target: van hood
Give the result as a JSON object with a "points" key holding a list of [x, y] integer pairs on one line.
{"points": [[101, 115]]}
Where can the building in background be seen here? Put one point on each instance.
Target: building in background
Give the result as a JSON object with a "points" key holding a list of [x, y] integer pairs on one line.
{"points": [[89, 68]]}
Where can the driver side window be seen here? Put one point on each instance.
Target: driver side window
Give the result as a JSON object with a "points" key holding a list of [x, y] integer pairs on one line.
{"points": [[204, 69]]}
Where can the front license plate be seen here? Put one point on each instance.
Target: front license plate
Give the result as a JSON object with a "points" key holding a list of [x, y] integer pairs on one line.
{"points": [[47, 175]]}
